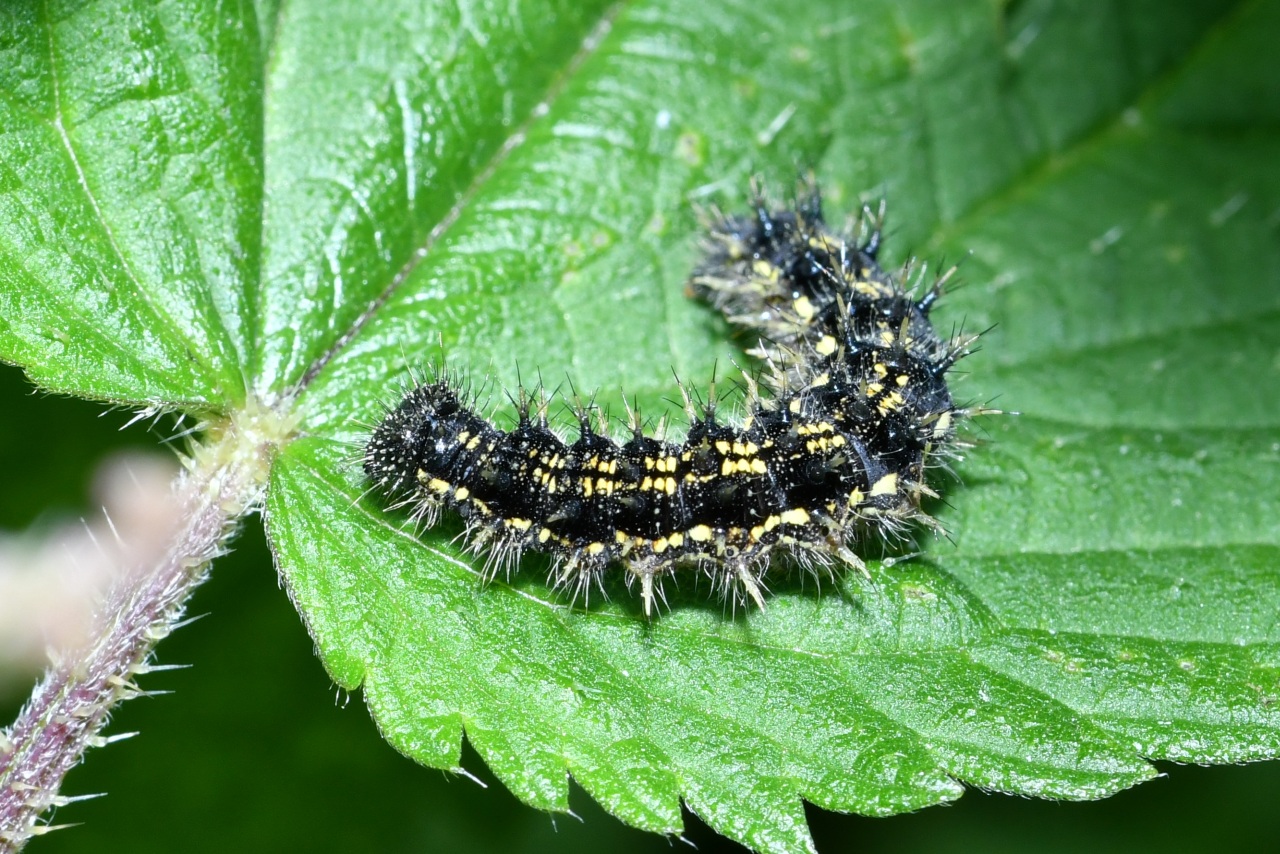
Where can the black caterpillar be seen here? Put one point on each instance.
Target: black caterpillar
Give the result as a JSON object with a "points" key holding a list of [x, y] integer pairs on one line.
{"points": [[854, 409]]}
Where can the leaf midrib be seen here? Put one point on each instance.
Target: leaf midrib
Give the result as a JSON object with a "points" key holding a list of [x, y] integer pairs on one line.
{"points": [[557, 86], [1054, 161], [1264, 318]]}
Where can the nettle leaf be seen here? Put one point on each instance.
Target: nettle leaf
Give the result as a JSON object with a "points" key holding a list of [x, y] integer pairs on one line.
{"points": [[302, 202], [130, 198], [1106, 598]]}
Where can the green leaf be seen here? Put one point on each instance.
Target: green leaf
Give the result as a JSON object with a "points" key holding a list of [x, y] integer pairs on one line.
{"points": [[206, 203], [1107, 595], [377, 125], [130, 198]]}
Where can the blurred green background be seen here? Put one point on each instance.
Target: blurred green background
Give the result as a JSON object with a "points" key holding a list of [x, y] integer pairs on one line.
{"points": [[255, 750]]}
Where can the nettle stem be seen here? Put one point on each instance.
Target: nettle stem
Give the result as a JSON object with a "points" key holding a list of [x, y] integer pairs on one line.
{"points": [[73, 702]]}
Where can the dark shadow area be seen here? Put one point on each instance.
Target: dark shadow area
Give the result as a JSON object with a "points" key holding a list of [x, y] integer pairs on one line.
{"points": [[49, 446]]}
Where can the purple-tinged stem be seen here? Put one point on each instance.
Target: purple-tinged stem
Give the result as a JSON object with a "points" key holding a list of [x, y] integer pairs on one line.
{"points": [[73, 702]]}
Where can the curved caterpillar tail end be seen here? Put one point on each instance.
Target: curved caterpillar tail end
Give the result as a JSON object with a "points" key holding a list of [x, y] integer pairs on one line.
{"points": [[835, 443]]}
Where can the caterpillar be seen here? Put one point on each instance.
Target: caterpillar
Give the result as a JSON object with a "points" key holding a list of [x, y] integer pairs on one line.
{"points": [[832, 447]]}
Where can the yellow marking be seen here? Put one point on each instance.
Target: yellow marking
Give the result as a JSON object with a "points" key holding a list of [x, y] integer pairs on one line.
{"points": [[887, 485], [722, 446], [826, 443], [586, 487], [701, 534], [464, 435], [649, 463], [604, 486], [550, 483], [745, 449], [795, 406], [726, 468], [765, 270], [758, 466], [943, 424], [677, 540], [621, 537], [804, 308], [855, 498], [902, 380], [544, 535], [881, 370], [756, 533], [438, 485], [893, 401], [821, 380], [671, 486], [595, 549], [462, 493], [474, 443], [646, 484], [826, 345], [875, 388], [519, 524], [795, 517], [660, 546]]}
